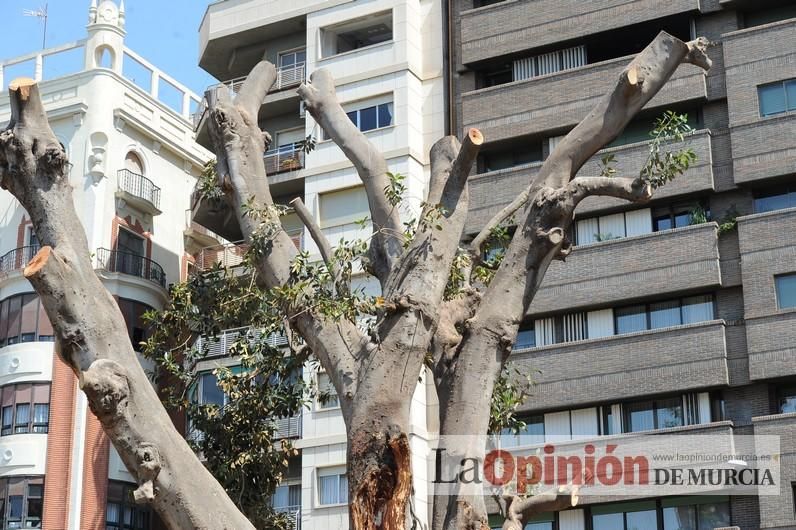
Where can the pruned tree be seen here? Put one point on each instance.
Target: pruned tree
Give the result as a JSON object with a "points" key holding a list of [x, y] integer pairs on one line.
{"points": [[469, 333]]}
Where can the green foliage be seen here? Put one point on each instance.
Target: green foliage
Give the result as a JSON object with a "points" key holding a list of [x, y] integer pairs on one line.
{"points": [[396, 189], [608, 165], [512, 388], [207, 186], [698, 216], [307, 145], [663, 166], [729, 220], [608, 236], [239, 442]]}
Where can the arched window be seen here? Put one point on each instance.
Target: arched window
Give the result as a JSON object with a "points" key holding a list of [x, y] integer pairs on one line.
{"points": [[133, 163], [104, 57]]}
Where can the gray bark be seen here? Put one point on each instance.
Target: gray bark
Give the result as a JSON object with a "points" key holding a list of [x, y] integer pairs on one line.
{"points": [[92, 334]]}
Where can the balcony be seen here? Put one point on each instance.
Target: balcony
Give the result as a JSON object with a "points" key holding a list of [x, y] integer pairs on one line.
{"points": [[632, 268], [231, 255], [563, 99], [773, 512], [288, 428], [768, 247], [132, 264], [293, 513], [284, 159], [219, 345], [676, 359], [490, 192], [762, 147], [138, 191], [17, 259], [511, 27]]}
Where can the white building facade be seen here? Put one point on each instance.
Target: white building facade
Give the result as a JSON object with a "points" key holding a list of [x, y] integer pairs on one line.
{"points": [[127, 131], [387, 61]]}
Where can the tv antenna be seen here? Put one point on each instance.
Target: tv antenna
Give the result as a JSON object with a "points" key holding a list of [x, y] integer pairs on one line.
{"points": [[41, 14]]}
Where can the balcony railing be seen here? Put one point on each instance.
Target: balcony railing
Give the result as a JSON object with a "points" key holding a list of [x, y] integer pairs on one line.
{"points": [[229, 255], [294, 513], [132, 264], [17, 259], [139, 186], [288, 427], [219, 345], [285, 158]]}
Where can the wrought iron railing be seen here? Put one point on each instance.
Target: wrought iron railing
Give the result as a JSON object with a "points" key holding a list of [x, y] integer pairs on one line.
{"points": [[294, 513], [284, 158], [139, 186], [17, 259], [132, 264], [221, 343]]}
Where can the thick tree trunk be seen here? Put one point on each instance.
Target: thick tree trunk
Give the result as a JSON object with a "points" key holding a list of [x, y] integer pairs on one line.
{"points": [[92, 333]]}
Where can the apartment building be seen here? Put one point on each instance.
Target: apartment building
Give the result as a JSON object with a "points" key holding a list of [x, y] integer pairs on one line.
{"points": [[675, 316], [127, 129], [387, 61]]}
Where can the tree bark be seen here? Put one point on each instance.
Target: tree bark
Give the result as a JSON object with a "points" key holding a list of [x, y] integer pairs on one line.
{"points": [[546, 210], [91, 330]]}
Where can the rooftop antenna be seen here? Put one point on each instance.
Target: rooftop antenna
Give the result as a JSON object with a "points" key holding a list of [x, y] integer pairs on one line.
{"points": [[41, 14]]}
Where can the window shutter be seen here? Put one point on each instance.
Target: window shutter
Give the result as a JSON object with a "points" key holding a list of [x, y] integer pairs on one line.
{"points": [[523, 69], [600, 323], [575, 327], [587, 230], [584, 423], [612, 226], [571, 520], [574, 57], [556, 426], [545, 330]]}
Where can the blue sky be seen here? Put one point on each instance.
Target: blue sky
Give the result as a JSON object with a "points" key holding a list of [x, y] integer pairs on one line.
{"points": [[164, 32]]}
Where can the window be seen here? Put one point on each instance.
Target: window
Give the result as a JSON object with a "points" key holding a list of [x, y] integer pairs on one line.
{"points": [[332, 486], [613, 226], [33, 240], [121, 511], [287, 497], [639, 129], [293, 58], [561, 328], [641, 317], [651, 415], [678, 216], [775, 199], [625, 516], [549, 63], [327, 396], [370, 118], [133, 163], [23, 319], [509, 158], [531, 434], [776, 98], [526, 338], [786, 290], [356, 34], [21, 501], [25, 408], [786, 397], [133, 313], [208, 391], [343, 207], [695, 513]]}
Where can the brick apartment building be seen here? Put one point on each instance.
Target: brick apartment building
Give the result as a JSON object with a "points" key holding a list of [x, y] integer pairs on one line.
{"points": [[659, 319]]}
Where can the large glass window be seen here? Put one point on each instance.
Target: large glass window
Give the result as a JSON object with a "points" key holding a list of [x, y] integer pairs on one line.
{"points": [[625, 516], [23, 319], [641, 317], [327, 396], [652, 414], [287, 497], [776, 98], [531, 434], [208, 391], [786, 290], [775, 199], [25, 408], [695, 513], [332, 486], [786, 397], [21, 502], [121, 511], [369, 118]]}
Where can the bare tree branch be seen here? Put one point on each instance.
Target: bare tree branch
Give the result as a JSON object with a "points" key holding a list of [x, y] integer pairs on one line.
{"points": [[240, 145], [327, 254], [91, 333], [631, 189], [520, 509], [320, 100]]}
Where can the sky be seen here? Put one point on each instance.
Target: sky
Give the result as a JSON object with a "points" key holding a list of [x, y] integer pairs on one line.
{"points": [[164, 32]]}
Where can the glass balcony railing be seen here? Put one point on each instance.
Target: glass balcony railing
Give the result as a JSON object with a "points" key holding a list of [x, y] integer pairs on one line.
{"points": [[284, 158]]}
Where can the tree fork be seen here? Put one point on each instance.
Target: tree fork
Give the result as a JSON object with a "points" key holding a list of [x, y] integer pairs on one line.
{"points": [[91, 333]]}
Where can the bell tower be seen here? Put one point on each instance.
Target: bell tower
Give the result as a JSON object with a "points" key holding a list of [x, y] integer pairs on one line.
{"points": [[105, 43]]}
